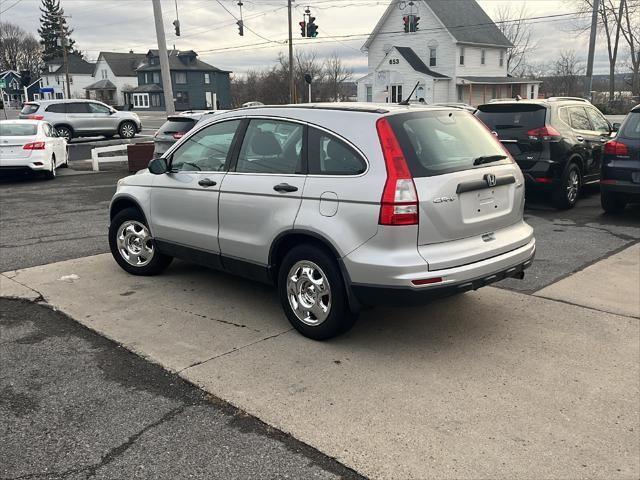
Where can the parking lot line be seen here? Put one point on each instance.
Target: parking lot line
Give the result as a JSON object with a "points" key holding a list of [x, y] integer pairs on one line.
{"points": [[487, 384]]}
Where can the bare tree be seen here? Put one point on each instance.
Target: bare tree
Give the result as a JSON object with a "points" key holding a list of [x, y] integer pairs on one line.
{"points": [[19, 50], [565, 76], [631, 32], [610, 17], [336, 73], [512, 23]]}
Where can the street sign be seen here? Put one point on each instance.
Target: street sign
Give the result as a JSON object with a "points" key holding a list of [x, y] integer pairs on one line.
{"points": [[3, 84]]}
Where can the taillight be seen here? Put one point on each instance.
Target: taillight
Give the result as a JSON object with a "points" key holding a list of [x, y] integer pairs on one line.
{"points": [[35, 117], [34, 146], [399, 203], [547, 134], [616, 148], [178, 135]]}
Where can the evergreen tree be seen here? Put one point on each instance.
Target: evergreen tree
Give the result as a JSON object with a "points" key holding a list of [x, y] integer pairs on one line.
{"points": [[50, 33]]}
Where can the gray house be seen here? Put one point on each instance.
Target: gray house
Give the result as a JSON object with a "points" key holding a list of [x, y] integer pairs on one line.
{"points": [[196, 84]]}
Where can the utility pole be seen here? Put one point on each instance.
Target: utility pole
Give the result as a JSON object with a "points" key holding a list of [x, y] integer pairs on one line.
{"points": [[164, 59], [588, 81], [291, 82], [65, 55]]}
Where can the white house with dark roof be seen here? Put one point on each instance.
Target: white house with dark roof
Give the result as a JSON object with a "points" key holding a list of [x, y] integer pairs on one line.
{"points": [[54, 78], [114, 74], [456, 54]]}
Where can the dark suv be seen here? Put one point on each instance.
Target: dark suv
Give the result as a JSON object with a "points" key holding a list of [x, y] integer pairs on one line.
{"points": [[557, 142], [620, 183]]}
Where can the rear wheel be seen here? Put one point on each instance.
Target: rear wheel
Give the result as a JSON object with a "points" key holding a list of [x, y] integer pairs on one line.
{"points": [[64, 132], [51, 174], [132, 245], [612, 202], [566, 194], [312, 293], [127, 130]]}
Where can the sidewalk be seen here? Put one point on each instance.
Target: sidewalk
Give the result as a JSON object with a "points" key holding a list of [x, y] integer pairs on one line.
{"points": [[487, 384]]}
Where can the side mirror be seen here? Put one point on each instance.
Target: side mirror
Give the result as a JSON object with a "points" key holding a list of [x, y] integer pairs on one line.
{"points": [[615, 127], [158, 166]]}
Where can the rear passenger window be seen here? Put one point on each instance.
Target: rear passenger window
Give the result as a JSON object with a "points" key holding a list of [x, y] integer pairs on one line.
{"points": [[331, 156], [579, 119], [77, 108], [271, 146], [57, 108]]}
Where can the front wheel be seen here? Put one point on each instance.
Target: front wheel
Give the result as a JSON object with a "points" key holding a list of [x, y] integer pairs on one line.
{"points": [[567, 192], [127, 130], [132, 245], [312, 293], [612, 202]]}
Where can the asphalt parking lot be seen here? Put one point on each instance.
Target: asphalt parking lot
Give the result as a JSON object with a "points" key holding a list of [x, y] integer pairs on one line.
{"points": [[539, 381]]}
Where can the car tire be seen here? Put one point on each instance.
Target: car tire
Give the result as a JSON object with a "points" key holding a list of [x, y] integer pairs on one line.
{"points": [[132, 245], [65, 132], [612, 202], [51, 174], [127, 130], [567, 192], [316, 313]]}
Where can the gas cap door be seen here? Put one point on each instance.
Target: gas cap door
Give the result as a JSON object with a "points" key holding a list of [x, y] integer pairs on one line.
{"points": [[328, 204]]}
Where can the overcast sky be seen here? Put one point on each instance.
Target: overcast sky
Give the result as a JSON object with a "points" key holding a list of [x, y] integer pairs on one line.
{"points": [[123, 25]]}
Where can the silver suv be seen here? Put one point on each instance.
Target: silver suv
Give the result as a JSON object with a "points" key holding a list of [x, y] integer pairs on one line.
{"points": [[339, 206], [83, 118]]}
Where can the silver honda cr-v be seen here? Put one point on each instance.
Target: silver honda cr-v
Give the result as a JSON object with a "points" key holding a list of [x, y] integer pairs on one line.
{"points": [[339, 205]]}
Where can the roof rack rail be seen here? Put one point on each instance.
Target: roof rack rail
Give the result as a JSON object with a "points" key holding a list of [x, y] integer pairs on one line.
{"points": [[574, 99]]}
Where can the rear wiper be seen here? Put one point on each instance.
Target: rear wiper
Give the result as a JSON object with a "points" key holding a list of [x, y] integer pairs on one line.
{"points": [[488, 159]]}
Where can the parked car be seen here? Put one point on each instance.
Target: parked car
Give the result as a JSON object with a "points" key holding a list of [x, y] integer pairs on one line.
{"points": [[620, 182], [338, 205], [556, 142], [176, 126], [83, 118], [31, 146]]}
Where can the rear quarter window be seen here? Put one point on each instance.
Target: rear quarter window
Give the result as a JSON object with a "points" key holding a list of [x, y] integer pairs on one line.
{"points": [[329, 155], [631, 126], [57, 108], [29, 108], [440, 142]]}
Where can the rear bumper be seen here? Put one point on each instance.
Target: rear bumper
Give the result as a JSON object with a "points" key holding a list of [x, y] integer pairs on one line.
{"points": [[454, 280], [620, 186]]}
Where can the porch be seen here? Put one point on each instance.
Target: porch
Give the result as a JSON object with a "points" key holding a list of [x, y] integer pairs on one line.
{"points": [[478, 90], [104, 91]]}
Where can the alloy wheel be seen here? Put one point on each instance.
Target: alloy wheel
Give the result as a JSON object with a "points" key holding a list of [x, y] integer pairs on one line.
{"points": [[573, 186], [127, 130], [135, 243], [309, 293]]}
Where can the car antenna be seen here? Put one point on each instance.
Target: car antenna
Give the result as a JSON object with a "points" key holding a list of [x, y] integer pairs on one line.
{"points": [[406, 102]]}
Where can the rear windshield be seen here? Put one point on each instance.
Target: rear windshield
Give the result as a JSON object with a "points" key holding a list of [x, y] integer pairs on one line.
{"points": [[177, 126], [505, 118], [29, 108], [631, 126], [17, 129], [444, 141]]}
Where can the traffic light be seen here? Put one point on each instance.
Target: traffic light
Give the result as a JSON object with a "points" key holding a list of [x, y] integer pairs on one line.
{"points": [[303, 29], [416, 19], [240, 24], [405, 23], [176, 23], [312, 28]]}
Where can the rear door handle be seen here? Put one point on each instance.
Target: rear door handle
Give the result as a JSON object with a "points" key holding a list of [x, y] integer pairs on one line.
{"points": [[206, 182], [285, 187], [579, 138]]}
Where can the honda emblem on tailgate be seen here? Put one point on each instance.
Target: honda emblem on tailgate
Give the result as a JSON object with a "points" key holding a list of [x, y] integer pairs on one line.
{"points": [[490, 178]]}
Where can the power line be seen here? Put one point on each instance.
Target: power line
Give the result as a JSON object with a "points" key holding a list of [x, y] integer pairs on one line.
{"points": [[251, 30], [10, 6]]}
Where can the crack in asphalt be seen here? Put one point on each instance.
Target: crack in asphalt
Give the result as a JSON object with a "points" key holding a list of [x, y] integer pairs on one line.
{"points": [[196, 364], [39, 299], [566, 302], [620, 236], [50, 239], [227, 322], [108, 457]]}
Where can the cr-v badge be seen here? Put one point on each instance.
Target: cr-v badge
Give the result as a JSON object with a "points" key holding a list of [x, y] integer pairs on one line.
{"points": [[443, 199]]}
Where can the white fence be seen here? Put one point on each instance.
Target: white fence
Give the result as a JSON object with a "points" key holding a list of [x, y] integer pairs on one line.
{"points": [[96, 158]]}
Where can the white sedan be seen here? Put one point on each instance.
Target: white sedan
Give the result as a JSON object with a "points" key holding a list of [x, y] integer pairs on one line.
{"points": [[31, 145]]}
